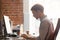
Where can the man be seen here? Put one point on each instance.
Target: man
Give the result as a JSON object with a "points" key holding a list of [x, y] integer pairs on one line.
{"points": [[46, 27]]}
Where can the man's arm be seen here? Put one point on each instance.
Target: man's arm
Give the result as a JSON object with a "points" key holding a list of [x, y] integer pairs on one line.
{"points": [[42, 33], [50, 31]]}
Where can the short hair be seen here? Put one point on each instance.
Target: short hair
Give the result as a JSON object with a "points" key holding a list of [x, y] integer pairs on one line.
{"points": [[38, 7]]}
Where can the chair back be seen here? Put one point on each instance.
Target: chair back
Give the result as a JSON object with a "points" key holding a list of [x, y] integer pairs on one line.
{"points": [[54, 35]]}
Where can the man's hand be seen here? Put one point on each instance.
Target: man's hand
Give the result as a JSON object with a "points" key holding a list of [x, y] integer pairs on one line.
{"points": [[28, 37], [24, 36]]}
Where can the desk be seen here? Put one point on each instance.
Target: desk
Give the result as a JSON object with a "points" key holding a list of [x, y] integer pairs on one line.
{"points": [[12, 38]]}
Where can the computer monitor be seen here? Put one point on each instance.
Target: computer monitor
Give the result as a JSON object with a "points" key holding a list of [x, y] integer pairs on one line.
{"points": [[7, 25]]}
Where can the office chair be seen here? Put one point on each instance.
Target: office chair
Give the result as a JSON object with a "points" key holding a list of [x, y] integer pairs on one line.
{"points": [[54, 35]]}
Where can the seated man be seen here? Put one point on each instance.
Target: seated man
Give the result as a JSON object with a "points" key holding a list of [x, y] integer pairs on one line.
{"points": [[46, 27]]}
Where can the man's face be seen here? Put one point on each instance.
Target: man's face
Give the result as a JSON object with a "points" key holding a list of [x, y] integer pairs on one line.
{"points": [[35, 14]]}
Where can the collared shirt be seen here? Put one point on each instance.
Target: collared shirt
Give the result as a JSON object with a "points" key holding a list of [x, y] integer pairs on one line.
{"points": [[45, 29], [43, 18]]}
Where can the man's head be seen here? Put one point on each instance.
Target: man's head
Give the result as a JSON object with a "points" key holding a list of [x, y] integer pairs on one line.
{"points": [[37, 11]]}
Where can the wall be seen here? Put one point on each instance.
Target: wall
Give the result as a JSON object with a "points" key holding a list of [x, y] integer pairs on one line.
{"points": [[13, 9], [0, 9]]}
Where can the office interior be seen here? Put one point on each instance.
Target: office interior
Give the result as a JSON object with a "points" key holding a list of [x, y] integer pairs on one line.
{"points": [[16, 17]]}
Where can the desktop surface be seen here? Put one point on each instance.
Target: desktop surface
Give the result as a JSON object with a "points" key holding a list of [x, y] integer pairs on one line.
{"points": [[12, 38]]}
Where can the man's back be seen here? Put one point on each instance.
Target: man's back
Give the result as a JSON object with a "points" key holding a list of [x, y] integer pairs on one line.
{"points": [[46, 28]]}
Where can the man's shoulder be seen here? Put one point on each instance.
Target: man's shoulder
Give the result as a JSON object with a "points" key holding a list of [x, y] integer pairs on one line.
{"points": [[46, 22]]}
